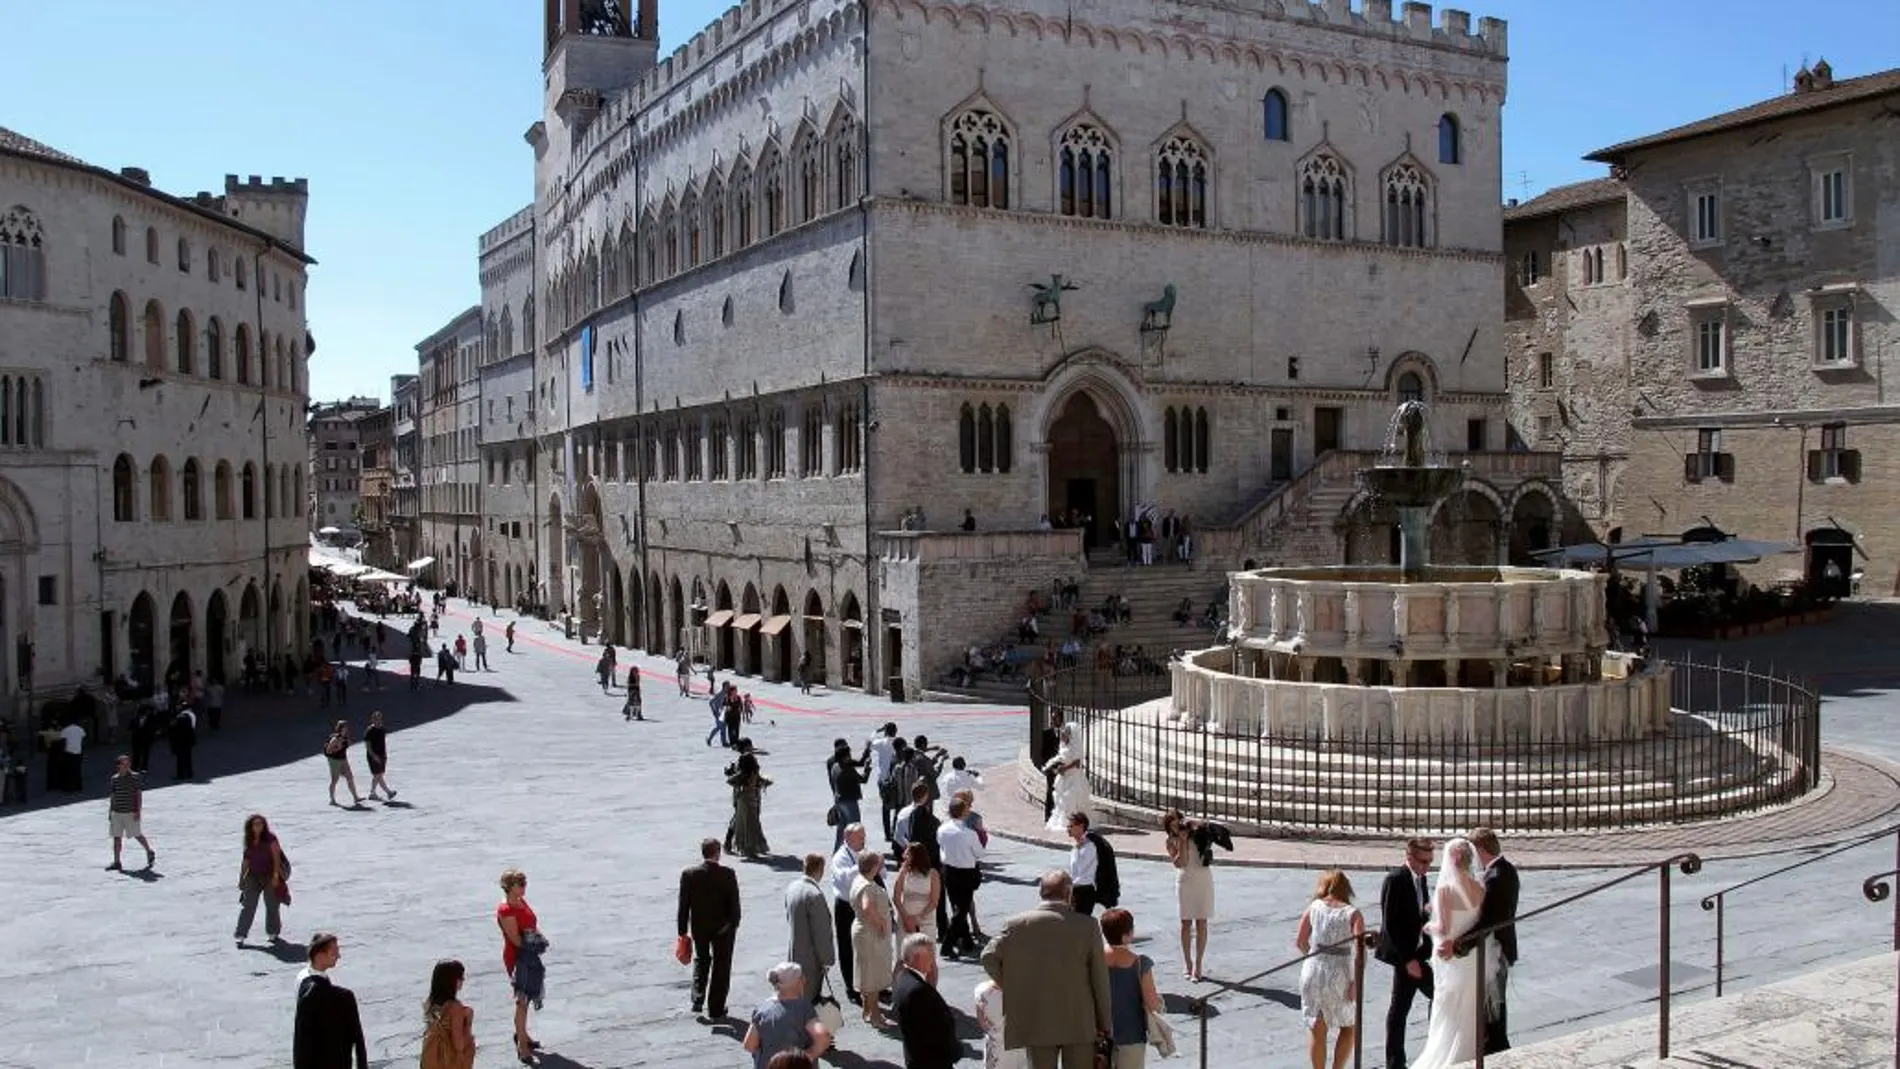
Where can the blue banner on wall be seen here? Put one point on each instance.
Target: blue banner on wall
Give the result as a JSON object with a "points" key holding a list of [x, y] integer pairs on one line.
{"points": [[587, 359]]}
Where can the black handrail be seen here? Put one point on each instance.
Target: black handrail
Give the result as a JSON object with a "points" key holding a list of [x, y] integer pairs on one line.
{"points": [[1718, 901], [1367, 938], [1879, 888], [1689, 863]]}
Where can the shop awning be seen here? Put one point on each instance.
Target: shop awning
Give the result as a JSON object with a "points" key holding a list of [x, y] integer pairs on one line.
{"points": [[346, 570], [747, 622], [775, 624], [377, 575], [855, 625], [719, 619], [1667, 554], [419, 564]]}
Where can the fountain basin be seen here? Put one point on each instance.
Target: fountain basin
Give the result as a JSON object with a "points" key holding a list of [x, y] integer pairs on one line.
{"points": [[1377, 614], [1618, 705]]}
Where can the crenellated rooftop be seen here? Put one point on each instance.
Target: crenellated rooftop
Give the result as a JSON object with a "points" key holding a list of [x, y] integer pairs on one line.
{"points": [[514, 226]]}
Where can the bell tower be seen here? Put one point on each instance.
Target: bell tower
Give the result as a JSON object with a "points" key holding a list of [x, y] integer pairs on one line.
{"points": [[595, 47]]}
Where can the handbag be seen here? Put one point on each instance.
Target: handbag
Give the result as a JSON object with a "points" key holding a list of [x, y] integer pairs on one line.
{"points": [[830, 1014], [1160, 1035], [1104, 1052], [831, 817], [683, 950]]}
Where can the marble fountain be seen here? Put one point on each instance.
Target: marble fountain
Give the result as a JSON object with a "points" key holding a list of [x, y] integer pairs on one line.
{"points": [[1419, 698]]}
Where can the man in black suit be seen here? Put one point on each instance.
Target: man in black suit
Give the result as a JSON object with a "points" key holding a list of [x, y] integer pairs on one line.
{"points": [[923, 1018], [328, 1032], [709, 912], [1404, 907], [1500, 907]]}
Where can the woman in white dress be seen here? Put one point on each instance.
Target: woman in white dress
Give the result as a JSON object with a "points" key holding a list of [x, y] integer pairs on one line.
{"points": [[1453, 1035], [1072, 780], [1331, 930], [1194, 886]]}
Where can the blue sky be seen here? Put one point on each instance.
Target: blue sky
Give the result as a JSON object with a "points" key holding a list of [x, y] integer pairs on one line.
{"points": [[407, 116]]}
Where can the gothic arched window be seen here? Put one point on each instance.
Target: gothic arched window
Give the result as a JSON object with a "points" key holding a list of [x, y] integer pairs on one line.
{"points": [[979, 160], [1084, 175], [844, 162], [1005, 440], [187, 342], [124, 492], [1202, 440], [1407, 195], [214, 348], [1324, 196], [1170, 443], [966, 440], [1181, 183], [985, 440], [192, 480], [771, 193], [22, 256], [1411, 387]]}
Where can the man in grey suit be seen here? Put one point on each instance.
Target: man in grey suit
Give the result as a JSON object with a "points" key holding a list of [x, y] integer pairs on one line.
{"points": [[809, 916], [1049, 964]]}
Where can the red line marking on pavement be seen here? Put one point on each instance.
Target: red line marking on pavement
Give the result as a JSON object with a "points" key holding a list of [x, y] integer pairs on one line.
{"points": [[766, 703]]}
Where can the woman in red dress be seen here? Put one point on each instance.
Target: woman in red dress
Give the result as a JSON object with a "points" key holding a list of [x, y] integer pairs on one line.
{"points": [[517, 919]]}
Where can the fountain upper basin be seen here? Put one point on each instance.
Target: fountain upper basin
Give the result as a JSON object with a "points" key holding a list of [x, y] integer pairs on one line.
{"points": [[1411, 487]]}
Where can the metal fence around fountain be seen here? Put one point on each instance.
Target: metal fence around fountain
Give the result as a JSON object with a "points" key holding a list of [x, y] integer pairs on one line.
{"points": [[1737, 740]]}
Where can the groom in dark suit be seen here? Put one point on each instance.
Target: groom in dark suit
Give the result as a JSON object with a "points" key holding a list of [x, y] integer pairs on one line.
{"points": [[709, 912], [1500, 907], [1404, 907]]}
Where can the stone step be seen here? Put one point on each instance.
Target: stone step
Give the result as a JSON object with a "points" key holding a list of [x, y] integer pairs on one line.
{"points": [[1632, 783], [1840, 1017], [988, 691]]}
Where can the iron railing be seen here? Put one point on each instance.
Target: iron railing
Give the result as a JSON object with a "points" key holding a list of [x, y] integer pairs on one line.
{"points": [[1879, 888], [1737, 740], [1718, 902], [1478, 942], [1690, 864]]}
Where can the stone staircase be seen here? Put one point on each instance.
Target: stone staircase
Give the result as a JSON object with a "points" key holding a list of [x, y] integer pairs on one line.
{"points": [[1834, 1018], [1284, 786]]}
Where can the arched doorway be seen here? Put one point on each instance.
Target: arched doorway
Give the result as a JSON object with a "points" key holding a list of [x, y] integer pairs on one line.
{"points": [[142, 637], [751, 643], [778, 631], [851, 641], [815, 643], [656, 615], [275, 634], [217, 627], [1533, 525], [591, 545], [250, 612], [1085, 469], [678, 618], [633, 611], [556, 599], [613, 628], [721, 623], [1464, 530]]}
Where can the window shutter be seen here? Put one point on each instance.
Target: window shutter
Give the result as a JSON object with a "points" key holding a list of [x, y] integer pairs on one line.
{"points": [[1817, 465], [1692, 467], [1725, 467], [1850, 465]]}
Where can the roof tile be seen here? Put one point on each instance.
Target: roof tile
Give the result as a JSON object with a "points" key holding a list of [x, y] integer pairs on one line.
{"points": [[1567, 198], [1842, 92]]}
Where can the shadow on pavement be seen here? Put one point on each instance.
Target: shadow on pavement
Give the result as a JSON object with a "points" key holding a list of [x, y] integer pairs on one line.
{"points": [[1848, 655], [265, 731], [288, 953]]}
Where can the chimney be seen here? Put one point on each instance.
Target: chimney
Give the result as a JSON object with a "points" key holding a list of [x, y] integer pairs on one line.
{"points": [[136, 174], [1511, 203], [1823, 75]]}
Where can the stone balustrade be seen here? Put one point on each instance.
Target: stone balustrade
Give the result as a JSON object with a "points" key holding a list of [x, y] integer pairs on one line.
{"points": [[1465, 614], [981, 545], [1620, 705]]}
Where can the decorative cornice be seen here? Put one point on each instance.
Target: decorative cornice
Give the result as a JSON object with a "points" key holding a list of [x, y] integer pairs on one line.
{"points": [[1153, 230]]}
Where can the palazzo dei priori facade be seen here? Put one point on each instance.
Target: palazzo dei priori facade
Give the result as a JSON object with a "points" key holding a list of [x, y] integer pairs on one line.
{"points": [[835, 262]]}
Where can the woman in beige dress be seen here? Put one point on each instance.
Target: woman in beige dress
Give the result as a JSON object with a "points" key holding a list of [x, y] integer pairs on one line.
{"points": [[917, 892], [1194, 886], [871, 935]]}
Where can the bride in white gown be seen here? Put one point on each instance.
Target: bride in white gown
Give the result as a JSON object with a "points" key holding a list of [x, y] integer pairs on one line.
{"points": [[1453, 1035], [1072, 779]]}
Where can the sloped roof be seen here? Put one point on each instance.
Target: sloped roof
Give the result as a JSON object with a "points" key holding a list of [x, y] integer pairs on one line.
{"points": [[1845, 91], [1567, 198], [19, 144], [13, 143]]}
